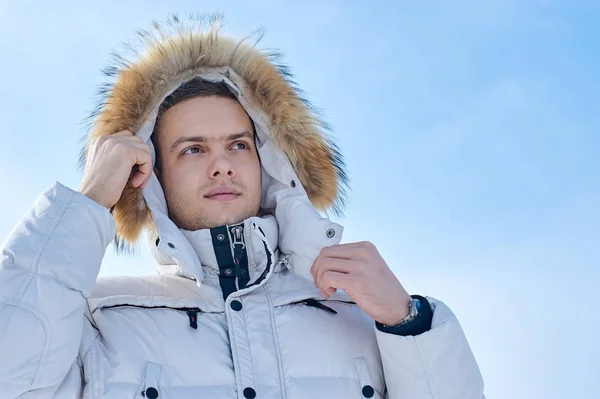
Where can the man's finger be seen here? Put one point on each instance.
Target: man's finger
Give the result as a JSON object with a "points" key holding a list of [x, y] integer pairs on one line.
{"points": [[140, 145], [122, 133], [144, 172], [331, 281], [323, 265], [336, 251], [346, 251]]}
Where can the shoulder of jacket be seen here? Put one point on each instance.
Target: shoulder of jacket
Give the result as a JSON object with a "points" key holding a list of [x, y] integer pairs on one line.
{"points": [[152, 285]]}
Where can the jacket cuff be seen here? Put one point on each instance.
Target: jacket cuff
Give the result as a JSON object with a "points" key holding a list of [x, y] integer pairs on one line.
{"points": [[438, 363], [417, 326]]}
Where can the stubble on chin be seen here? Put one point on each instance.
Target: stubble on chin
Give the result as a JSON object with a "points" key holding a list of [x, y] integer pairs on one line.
{"points": [[208, 215]]}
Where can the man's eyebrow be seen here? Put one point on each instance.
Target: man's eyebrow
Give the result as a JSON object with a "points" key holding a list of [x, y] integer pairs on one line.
{"points": [[203, 139]]}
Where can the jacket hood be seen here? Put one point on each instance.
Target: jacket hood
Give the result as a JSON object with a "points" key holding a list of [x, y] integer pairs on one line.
{"points": [[180, 50]]}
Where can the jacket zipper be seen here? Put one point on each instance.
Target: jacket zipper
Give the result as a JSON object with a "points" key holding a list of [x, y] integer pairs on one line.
{"points": [[193, 317], [238, 237], [239, 248], [192, 313]]}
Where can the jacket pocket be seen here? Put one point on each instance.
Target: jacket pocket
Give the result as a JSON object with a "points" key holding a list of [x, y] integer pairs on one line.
{"points": [[313, 303], [192, 313], [151, 386], [367, 389], [321, 304]]}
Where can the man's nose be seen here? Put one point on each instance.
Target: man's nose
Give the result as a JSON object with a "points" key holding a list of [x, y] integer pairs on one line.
{"points": [[222, 167]]}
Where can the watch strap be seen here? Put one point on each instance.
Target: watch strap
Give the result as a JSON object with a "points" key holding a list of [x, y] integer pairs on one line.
{"points": [[420, 324]]}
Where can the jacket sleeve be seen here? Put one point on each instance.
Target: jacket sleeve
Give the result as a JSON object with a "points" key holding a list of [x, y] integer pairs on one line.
{"points": [[437, 364], [48, 265]]}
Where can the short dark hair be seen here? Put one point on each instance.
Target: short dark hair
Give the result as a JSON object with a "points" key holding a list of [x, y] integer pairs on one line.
{"points": [[190, 89]]}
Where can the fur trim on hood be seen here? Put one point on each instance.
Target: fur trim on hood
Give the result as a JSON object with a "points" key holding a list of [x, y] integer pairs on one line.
{"points": [[179, 50]]}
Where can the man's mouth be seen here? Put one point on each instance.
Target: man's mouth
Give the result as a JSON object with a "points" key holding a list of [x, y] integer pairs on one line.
{"points": [[222, 193], [223, 197]]}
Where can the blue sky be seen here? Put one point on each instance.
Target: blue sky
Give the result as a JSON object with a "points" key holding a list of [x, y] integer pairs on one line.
{"points": [[470, 131]]}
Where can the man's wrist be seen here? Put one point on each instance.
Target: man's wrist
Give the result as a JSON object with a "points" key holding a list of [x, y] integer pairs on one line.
{"points": [[417, 322], [402, 312], [91, 195]]}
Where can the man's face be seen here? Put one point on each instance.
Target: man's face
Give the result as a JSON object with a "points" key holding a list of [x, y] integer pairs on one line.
{"points": [[207, 148]]}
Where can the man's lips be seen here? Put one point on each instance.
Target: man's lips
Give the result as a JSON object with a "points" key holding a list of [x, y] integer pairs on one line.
{"points": [[223, 197], [223, 193]]}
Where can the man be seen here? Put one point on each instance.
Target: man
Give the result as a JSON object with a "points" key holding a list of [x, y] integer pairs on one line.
{"points": [[206, 145]]}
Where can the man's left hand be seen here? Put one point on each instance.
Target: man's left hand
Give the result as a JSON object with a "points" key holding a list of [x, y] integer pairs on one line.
{"points": [[361, 272]]}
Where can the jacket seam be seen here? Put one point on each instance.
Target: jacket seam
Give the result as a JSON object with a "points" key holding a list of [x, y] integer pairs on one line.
{"points": [[428, 375], [234, 350], [250, 351], [84, 355], [91, 319], [60, 214], [276, 342], [38, 316], [59, 282], [33, 271], [93, 373]]}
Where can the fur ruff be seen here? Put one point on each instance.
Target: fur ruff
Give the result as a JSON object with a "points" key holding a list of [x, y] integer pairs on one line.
{"points": [[184, 48]]}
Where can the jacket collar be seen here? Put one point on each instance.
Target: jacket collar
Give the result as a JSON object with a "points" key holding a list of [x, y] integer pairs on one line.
{"points": [[259, 236], [294, 230]]}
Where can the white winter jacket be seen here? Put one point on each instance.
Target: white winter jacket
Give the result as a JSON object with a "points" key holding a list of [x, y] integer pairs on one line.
{"points": [[195, 330]]}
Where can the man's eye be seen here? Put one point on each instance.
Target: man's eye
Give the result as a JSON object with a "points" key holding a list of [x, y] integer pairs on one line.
{"points": [[191, 150], [243, 145]]}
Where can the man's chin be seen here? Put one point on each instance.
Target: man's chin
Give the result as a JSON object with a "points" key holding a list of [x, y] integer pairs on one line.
{"points": [[223, 220], [214, 216]]}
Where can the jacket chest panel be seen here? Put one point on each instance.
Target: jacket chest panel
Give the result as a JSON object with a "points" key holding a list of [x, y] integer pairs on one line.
{"points": [[342, 347], [187, 359], [289, 348]]}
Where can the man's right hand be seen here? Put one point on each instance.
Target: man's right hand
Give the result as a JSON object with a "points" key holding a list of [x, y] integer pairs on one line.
{"points": [[109, 165]]}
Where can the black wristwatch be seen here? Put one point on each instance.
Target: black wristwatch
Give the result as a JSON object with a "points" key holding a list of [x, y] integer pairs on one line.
{"points": [[417, 322]]}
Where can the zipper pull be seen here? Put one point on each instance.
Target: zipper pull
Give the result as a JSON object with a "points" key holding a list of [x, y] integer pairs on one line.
{"points": [[238, 236], [193, 315], [316, 304], [284, 261]]}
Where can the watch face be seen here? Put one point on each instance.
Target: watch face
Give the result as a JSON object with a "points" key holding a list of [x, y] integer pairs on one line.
{"points": [[418, 305], [415, 308]]}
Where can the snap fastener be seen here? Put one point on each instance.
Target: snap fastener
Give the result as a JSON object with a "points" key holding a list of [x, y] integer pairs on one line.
{"points": [[171, 245], [220, 237], [151, 393], [228, 272], [368, 391], [236, 305], [249, 393], [157, 241], [293, 183], [330, 233]]}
